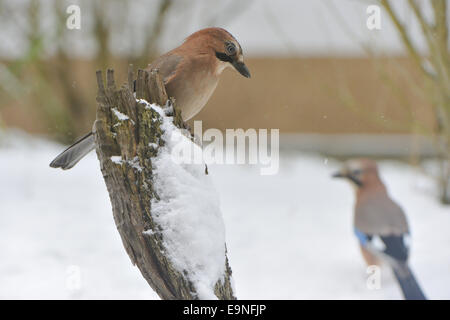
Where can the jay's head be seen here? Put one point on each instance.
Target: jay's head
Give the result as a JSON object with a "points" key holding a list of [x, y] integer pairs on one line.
{"points": [[225, 49], [360, 172]]}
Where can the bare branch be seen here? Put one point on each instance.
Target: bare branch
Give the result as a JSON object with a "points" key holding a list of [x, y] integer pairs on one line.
{"points": [[412, 50]]}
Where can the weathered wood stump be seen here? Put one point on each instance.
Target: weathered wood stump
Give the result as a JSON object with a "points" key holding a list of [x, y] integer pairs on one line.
{"points": [[131, 142]]}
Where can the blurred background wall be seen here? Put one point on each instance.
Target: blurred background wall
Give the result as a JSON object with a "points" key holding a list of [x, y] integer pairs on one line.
{"points": [[316, 68], [318, 73]]}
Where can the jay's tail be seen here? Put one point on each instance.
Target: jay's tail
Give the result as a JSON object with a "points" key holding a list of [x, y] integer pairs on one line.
{"points": [[70, 157], [408, 283]]}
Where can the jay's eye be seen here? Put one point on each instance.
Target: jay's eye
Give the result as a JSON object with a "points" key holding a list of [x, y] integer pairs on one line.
{"points": [[230, 48]]}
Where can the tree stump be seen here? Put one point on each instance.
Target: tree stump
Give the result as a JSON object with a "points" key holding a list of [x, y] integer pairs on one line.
{"points": [[133, 142]]}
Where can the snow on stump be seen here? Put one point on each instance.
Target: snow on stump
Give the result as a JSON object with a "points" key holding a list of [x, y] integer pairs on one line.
{"points": [[167, 213]]}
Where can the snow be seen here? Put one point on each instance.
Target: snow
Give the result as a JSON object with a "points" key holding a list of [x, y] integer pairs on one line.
{"points": [[289, 236], [116, 159], [120, 115], [153, 145], [189, 213], [133, 162]]}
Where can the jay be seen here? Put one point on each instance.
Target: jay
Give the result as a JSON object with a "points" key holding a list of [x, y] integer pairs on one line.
{"points": [[380, 224], [190, 73]]}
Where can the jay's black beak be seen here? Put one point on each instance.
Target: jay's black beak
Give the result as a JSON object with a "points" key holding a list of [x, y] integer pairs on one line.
{"points": [[338, 175], [241, 68], [347, 176]]}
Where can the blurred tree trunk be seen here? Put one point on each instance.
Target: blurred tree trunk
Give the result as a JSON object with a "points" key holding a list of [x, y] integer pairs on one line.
{"points": [[153, 34], [435, 68], [131, 189]]}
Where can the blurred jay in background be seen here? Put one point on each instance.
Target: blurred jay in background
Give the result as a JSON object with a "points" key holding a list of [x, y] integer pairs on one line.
{"points": [[380, 224]]}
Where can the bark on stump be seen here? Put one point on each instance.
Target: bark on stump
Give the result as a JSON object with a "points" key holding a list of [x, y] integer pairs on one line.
{"points": [[129, 181]]}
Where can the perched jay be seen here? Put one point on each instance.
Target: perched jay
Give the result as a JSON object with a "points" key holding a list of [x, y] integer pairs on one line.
{"points": [[380, 224], [190, 73]]}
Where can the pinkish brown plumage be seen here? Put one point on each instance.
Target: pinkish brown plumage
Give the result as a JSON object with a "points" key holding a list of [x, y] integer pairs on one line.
{"points": [[378, 217], [375, 211], [190, 73]]}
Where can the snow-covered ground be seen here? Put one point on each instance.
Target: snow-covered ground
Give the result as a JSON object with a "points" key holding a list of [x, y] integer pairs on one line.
{"points": [[289, 236]]}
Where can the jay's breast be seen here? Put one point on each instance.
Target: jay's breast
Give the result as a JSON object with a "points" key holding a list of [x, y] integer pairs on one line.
{"points": [[192, 94]]}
